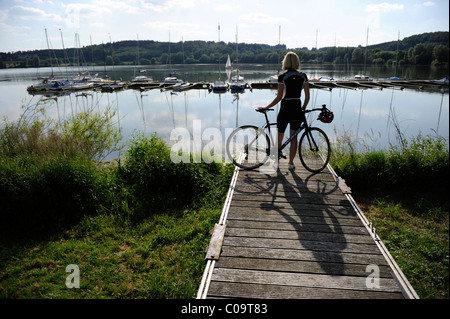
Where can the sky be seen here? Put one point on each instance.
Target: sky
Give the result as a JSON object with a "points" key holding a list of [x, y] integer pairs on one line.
{"points": [[295, 23]]}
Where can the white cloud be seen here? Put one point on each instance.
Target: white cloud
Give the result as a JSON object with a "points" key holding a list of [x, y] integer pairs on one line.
{"points": [[227, 7], [258, 17], [429, 4], [383, 7], [161, 6], [129, 6], [3, 15], [34, 13], [84, 10], [175, 28]]}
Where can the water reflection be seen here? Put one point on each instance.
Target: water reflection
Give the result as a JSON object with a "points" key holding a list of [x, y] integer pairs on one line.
{"points": [[373, 117]]}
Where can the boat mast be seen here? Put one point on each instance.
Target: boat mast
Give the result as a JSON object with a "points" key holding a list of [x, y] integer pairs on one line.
{"points": [[65, 53], [396, 58], [237, 50], [365, 56], [49, 53]]}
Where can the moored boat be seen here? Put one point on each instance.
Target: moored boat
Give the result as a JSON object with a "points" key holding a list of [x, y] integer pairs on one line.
{"points": [[219, 86]]}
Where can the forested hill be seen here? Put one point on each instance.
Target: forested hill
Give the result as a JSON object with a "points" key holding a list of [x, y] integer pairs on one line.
{"points": [[423, 49], [410, 42]]}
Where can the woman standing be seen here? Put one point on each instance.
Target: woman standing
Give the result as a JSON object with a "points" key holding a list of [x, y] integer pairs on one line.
{"points": [[290, 86]]}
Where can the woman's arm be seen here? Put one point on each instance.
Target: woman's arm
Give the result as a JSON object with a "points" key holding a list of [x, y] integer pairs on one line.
{"points": [[306, 89]]}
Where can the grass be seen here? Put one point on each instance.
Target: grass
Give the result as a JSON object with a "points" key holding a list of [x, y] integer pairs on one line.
{"points": [[162, 256], [416, 233], [404, 191], [136, 233], [136, 229]]}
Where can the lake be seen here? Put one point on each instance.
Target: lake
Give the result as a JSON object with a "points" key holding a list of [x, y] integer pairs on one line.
{"points": [[368, 115]]}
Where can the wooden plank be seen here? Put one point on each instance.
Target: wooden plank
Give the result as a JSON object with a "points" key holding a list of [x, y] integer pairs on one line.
{"points": [[291, 216], [215, 245], [290, 196], [302, 280], [299, 235], [297, 244], [298, 177], [294, 209], [295, 234], [244, 290], [317, 200], [296, 266], [375, 258], [275, 190], [322, 227], [275, 205]]}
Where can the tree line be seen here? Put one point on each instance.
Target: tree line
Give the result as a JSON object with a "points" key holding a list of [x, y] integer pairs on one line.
{"points": [[424, 49]]}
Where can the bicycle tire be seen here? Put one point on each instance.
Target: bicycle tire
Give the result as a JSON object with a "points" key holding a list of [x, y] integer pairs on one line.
{"points": [[314, 149], [254, 154]]}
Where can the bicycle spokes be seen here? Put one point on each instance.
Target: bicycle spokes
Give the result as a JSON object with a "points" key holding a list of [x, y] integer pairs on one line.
{"points": [[314, 149], [252, 142]]}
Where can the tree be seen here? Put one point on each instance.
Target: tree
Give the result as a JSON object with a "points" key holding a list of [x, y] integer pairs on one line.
{"points": [[440, 54], [35, 62], [358, 56]]}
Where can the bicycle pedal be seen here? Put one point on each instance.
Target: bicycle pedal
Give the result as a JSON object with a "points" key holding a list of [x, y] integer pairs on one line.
{"points": [[281, 156]]}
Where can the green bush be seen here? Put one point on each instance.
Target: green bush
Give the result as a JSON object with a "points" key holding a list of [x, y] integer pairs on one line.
{"points": [[422, 161], [58, 191], [49, 173], [155, 181]]}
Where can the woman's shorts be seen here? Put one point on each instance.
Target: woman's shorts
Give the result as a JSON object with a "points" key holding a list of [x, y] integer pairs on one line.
{"points": [[290, 112]]}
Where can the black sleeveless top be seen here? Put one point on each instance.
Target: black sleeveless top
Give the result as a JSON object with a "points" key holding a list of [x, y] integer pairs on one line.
{"points": [[293, 84], [291, 111]]}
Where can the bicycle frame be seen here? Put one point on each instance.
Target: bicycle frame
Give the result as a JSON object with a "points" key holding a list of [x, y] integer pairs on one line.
{"points": [[313, 141], [286, 143]]}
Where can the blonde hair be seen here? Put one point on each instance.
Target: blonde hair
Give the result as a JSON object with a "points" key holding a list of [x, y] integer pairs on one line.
{"points": [[291, 61]]}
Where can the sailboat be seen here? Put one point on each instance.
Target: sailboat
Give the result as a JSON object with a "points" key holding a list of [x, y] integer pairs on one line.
{"points": [[228, 64], [237, 81], [116, 85], [48, 83], [172, 79], [274, 78], [140, 78], [220, 86], [363, 77]]}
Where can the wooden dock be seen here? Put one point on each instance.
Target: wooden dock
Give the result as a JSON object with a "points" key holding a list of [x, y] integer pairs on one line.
{"points": [[314, 84], [293, 234]]}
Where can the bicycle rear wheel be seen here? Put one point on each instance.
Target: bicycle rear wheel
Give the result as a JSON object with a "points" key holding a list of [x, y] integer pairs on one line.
{"points": [[248, 147], [314, 149]]}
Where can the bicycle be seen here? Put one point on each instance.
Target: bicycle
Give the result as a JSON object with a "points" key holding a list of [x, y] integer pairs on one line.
{"points": [[250, 147]]}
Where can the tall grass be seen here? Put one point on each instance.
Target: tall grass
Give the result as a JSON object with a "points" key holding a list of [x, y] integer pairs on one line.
{"points": [[403, 191], [137, 228], [156, 182], [49, 171], [424, 160]]}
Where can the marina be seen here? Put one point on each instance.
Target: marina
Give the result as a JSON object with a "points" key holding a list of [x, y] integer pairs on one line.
{"points": [[237, 84], [365, 110]]}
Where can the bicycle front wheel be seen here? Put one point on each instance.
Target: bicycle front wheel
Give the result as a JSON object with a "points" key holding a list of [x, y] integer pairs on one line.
{"points": [[314, 149], [248, 147]]}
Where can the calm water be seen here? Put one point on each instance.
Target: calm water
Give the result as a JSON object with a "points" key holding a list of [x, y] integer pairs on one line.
{"points": [[365, 114]]}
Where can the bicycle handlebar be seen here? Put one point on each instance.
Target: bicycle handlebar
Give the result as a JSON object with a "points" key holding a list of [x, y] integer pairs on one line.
{"points": [[263, 110], [324, 107]]}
